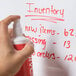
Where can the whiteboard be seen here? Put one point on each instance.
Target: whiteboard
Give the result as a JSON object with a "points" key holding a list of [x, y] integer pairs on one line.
{"points": [[51, 25]]}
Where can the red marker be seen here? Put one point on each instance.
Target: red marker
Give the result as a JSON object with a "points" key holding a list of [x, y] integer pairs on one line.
{"points": [[19, 42]]}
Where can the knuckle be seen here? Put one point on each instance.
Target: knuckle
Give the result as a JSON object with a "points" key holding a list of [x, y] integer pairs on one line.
{"points": [[2, 22], [10, 16]]}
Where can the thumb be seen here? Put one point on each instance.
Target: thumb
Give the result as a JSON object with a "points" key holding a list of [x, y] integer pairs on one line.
{"points": [[22, 55]]}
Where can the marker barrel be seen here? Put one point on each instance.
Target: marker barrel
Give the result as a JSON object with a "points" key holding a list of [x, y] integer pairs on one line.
{"points": [[26, 69]]}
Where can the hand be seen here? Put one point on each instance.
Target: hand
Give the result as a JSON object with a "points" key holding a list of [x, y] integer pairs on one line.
{"points": [[10, 59]]}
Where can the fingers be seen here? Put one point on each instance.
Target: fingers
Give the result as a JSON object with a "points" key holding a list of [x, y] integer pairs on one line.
{"points": [[28, 49], [22, 55], [4, 26], [9, 19], [4, 23]]}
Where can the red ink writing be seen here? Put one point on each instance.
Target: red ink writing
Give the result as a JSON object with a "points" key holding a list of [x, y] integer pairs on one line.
{"points": [[67, 44], [69, 32], [54, 42], [69, 57], [47, 31], [30, 7], [30, 28], [38, 40], [45, 18], [46, 55], [51, 10]]}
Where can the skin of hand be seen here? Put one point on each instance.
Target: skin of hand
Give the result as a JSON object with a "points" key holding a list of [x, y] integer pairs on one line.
{"points": [[11, 60]]}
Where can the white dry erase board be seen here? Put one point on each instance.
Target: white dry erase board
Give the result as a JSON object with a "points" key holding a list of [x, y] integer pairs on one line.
{"points": [[51, 25]]}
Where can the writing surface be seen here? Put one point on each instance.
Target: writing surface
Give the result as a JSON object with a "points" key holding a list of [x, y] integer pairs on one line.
{"points": [[51, 25], [54, 25]]}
